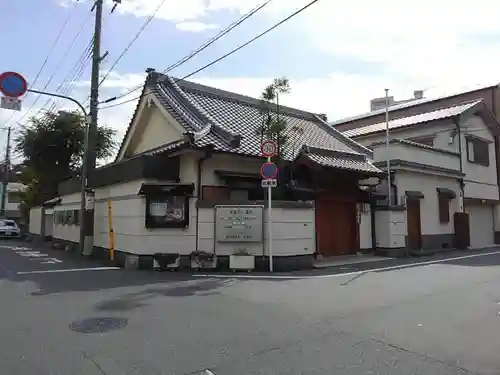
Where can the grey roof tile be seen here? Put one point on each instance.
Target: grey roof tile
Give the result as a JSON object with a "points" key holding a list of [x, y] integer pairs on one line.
{"points": [[343, 162], [439, 114], [230, 122], [407, 104]]}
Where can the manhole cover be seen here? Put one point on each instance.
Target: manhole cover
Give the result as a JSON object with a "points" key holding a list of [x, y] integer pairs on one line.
{"points": [[98, 325]]}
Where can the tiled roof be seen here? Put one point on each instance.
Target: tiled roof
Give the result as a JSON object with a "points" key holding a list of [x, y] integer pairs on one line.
{"points": [[439, 114], [340, 160], [407, 104], [230, 122]]}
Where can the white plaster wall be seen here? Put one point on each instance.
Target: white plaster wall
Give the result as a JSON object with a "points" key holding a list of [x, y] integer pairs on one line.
{"points": [[65, 231], [293, 233], [365, 230], [228, 163], [35, 225], [390, 229], [128, 216], [441, 132], [429, 208], [416, 155]]}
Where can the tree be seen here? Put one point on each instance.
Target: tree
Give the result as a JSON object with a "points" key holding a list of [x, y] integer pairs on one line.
{"points": [[52, 147], [273, 125]]}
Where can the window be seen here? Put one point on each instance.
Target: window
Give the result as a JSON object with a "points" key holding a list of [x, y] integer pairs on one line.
{"points": [[444, 209], [167, 211], [427, 141], [478, 151], [14, 197]]}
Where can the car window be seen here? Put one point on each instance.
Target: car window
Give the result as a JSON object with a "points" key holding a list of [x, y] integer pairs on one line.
{"points": [[10, 224]]}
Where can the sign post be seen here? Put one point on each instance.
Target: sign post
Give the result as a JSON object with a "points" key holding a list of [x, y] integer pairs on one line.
{"points": [[269, 172], [12, 86], [111, 232]]}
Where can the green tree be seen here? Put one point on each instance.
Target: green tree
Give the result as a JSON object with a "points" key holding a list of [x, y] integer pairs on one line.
{"points": [[52, 147], [274, 125]]}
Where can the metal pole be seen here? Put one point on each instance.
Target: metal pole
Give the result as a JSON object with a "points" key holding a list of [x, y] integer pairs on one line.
{"points": [[87, 227], [269, 225], [387, 142], [5, 181]]}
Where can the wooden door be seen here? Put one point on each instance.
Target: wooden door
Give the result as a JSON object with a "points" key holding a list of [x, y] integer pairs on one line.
{"points": [[336, 228], [413, 223]]}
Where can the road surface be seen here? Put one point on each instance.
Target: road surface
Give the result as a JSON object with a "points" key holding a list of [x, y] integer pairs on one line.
{"points": [[437, 318]]}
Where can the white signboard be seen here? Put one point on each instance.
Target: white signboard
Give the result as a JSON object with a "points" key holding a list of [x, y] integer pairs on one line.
{"points": [[13, 104], [271, 183]]}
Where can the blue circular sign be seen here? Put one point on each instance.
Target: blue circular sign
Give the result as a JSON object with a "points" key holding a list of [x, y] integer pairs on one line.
{"points": [[12, 84], [268, 170]]}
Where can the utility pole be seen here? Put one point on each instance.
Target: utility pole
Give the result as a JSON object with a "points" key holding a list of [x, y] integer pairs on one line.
{"points": [[6, 176], [89, 159]]}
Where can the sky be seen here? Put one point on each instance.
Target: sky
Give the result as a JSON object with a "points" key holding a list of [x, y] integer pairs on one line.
{"points": [[336, 57]]}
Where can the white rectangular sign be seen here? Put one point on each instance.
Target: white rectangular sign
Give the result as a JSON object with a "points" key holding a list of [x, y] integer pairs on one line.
{"points": [[13, 104], [272, 183]]}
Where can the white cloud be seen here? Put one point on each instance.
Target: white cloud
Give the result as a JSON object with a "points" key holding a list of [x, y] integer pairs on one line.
{"points": [[420, 45], [195, 27]]}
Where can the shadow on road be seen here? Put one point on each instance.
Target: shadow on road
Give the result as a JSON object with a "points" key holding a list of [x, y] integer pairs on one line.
{"points": [[131, 301]]}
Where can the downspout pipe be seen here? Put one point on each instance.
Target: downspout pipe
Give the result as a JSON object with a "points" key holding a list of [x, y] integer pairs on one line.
{"points": [[456, 120], [199, 192]]}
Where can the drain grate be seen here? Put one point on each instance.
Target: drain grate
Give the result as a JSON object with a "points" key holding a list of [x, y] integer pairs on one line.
{"points": [[98, 325]]}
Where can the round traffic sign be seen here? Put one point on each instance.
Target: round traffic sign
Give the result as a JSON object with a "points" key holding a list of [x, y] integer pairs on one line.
{"points": [[268, 171], [268, 148], [13, 84]]}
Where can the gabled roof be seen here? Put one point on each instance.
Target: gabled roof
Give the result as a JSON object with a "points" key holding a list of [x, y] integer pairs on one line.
{"points": [[440, 114], [229, 122], [411, 103]]}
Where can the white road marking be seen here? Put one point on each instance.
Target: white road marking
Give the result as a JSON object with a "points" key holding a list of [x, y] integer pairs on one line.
{"points": [[401, 266], [70, 270], [32, 254]]}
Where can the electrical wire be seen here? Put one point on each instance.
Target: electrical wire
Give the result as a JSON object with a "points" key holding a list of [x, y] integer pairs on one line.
{"points": [[73, 75], [65, 55], [58, 37], [250, 41], [198, 50], [131, 43], [297, 12]]}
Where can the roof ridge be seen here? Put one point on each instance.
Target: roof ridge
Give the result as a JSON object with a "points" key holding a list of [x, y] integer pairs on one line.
{"points": [[227, 135], [398, 106], [242, 99]]}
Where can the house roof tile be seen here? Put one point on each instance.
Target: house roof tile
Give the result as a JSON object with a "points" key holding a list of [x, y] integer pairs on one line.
{"points": [[439, 114]]}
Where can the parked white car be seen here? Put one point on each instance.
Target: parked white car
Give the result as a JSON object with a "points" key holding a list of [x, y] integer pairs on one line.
{"points": [[9, 229]]}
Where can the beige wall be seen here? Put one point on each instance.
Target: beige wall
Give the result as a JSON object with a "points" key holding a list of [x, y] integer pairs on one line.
{"points": [[427, 184], [293, 233], [480, 181], [35, 225], [155, 129], [67, 232]]}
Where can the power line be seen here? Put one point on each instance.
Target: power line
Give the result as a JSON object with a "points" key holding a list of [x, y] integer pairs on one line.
{"points": [[232, 51], [204, 46], [144, 25], [250, 41], [59, 34], [66, 53], [74, 75]]}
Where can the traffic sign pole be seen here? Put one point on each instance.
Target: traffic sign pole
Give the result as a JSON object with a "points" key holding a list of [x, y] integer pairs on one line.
{"points": [[270, 224]]}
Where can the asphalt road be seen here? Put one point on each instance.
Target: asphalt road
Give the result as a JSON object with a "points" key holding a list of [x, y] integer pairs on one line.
{"points": [[439, 318]]}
